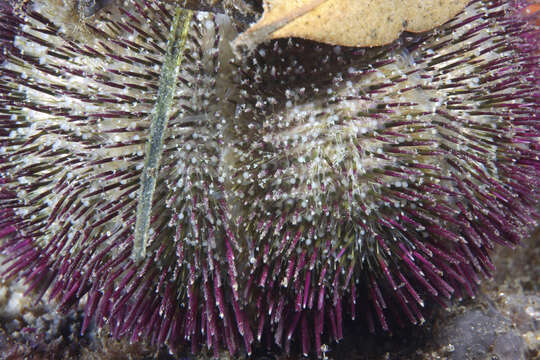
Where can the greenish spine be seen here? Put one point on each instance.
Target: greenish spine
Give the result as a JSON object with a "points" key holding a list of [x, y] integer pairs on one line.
{"points": [[154, 147]]}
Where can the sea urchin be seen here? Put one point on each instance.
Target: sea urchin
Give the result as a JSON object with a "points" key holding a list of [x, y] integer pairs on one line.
{"points": [[299, 186]]}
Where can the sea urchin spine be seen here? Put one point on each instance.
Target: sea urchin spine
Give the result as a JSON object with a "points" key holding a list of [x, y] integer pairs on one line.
{"points": [[301, 186]]}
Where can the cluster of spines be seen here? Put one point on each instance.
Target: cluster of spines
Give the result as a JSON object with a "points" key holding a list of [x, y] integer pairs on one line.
{"points": [[227, 262], [439, 202], [75, 239]]}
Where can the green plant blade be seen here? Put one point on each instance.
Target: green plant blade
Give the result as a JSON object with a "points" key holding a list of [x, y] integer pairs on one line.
{"points": [[154, 146]]}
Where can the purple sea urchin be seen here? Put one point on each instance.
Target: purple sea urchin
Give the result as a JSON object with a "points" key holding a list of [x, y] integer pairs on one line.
{"points": [[385, 172], [89, 92], [300, 186]]}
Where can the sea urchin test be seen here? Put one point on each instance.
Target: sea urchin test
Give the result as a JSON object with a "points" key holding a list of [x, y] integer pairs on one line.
{"points": [[299, 187]]}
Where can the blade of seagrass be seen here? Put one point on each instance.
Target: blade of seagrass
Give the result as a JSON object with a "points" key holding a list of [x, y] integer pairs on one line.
{"points": [[154, 146]]}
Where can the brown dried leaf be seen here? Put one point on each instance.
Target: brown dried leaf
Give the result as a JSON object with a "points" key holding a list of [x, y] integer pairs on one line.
{"points": [[348, 22]]}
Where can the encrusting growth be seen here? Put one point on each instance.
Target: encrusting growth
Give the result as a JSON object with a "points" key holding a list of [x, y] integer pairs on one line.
{"points": [[300, 186]]}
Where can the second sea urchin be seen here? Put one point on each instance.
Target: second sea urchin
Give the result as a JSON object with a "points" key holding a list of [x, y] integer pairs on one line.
{"points": [[298, 187]]}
